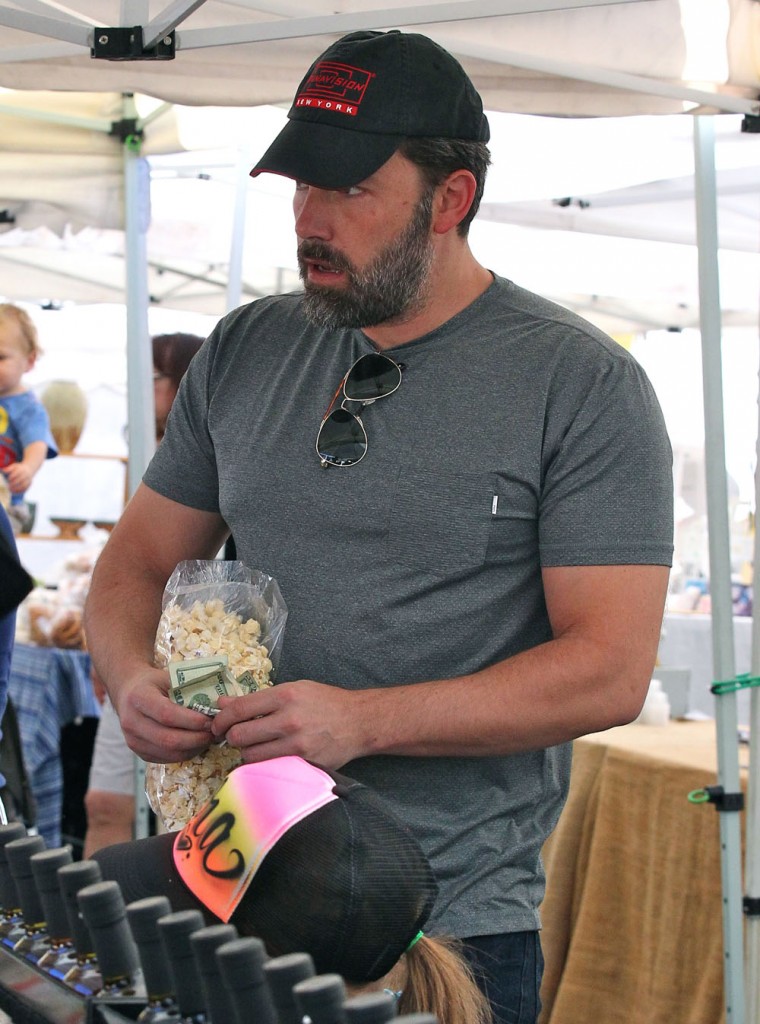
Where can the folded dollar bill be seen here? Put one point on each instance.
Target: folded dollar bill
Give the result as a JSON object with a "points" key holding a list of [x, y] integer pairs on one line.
{"points": [[181, 672], [205, 691], [248, 682]]}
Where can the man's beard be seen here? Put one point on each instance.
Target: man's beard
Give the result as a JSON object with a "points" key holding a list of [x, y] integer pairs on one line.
{"points": [[392, 288]]}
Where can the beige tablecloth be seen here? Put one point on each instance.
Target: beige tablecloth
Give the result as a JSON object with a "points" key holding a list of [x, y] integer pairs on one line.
{"points": [[633, 911]]}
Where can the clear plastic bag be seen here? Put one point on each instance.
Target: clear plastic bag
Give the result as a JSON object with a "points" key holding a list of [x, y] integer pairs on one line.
{"points": [[213, 608]]}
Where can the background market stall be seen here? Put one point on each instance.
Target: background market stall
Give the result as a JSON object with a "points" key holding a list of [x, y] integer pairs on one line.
{"points": [[560, 57]]}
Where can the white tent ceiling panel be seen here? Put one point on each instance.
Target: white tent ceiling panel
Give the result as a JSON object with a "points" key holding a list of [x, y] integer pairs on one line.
{"points": [[247, 53], [74, 193], [62, 164], [46, 121], [658, 211], [39, 274], [536, 161]]}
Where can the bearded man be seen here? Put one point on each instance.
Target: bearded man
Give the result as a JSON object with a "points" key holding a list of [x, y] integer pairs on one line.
{"points": [[463, 490]]}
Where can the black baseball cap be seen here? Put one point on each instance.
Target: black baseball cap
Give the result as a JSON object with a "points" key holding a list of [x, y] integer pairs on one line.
{"points": [[307, 860], [362, 97]]}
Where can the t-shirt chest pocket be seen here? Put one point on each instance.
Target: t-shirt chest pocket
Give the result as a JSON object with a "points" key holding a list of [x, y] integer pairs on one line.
{"points": [[440, 522]]}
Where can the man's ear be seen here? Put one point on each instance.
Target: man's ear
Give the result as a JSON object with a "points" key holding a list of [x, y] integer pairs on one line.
{"points": [[454, 198]]}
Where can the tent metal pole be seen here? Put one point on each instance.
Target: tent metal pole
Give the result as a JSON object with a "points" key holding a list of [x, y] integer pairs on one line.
{"points": [[306, 23], [720, 562], [752, 851], [237, 237], [141, 413]]}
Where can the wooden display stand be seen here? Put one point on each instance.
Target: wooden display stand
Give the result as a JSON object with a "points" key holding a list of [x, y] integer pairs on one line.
{"points": [[69, 528]]}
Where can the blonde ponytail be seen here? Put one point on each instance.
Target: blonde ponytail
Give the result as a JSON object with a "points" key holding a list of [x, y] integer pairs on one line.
{"points": [[435, 978]]}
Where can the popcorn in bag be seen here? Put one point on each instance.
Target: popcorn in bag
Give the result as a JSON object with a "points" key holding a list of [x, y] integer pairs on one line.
{"points": [[213, 609]]}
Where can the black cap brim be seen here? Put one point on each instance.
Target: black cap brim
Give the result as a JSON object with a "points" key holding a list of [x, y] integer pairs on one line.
{"points": [[326, 156]]}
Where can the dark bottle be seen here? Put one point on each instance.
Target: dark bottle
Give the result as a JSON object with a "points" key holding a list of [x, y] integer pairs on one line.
{"points": [[175, 930], [33, 942], [241, 963], [60, 954], [10, 905], [282, 974], [84, 974], [370, 1008], [105, 914], [219, 1009], [321, 998], [142, 917]]}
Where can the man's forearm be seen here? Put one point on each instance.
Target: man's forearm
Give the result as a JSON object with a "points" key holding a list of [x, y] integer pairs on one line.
{"points": [[121, 616], [592, 676], [124, 602], [548, 695]]}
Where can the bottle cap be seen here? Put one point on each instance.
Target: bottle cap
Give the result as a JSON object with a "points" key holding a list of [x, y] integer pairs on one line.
{"points": [[175, 930], [241, 963], [282, 973], [45, 865], [143, 917], [370, 1008], [8, 892], [219, 1006], [321, 998], [72, 878], [102, 906], [19, 853]]}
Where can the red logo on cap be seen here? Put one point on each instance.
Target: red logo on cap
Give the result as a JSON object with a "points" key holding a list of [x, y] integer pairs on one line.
{"points": [[336, 87]]}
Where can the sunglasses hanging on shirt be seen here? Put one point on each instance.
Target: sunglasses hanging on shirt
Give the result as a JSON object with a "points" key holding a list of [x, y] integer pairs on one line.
{"points": [[342, 439]]}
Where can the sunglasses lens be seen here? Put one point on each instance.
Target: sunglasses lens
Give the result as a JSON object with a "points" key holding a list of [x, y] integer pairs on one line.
{"points": [[342, 440], [372, 376]]}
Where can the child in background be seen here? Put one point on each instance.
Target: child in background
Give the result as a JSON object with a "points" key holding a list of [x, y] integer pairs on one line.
{"points": [[25, 437]]}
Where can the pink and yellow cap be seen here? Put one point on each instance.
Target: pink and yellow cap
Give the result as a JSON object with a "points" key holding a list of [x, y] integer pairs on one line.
{"points": [[219, 851]]}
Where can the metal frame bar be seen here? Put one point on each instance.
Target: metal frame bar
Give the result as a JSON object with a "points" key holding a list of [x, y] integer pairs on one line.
{"points": [[752, 823], [720, 562], [90, 124], [41, 25]]}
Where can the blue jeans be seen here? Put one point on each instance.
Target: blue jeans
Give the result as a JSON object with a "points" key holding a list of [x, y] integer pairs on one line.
{"points": [[508, 968]]}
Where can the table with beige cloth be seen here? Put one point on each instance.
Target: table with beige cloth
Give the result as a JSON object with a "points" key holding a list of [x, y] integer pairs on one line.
{"points": [[632, 920]]}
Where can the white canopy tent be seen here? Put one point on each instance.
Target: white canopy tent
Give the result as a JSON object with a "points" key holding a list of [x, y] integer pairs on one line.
{"points": [[574, 58], [621, 183]]}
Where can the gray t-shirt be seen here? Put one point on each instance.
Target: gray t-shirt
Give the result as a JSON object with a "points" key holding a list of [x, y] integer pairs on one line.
{"points": [[520, 437]]}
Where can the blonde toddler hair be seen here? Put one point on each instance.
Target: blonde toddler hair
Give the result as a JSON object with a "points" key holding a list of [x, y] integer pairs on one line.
{"points": [[30, 338]]}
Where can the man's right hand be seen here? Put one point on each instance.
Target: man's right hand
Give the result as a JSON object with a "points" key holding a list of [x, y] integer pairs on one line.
{"points": [[156, 728], [122, 613]]}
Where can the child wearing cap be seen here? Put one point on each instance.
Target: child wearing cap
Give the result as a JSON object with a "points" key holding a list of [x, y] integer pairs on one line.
{"points": [[310, 861], [25, 437]]}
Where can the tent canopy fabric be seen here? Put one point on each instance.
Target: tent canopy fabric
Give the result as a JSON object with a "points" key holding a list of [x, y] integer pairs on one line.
{"points": [[62, 162], [629, 180], [561, 57]]}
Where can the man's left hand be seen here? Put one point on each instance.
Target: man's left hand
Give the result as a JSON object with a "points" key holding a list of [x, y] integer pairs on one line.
{"points": [[311, 720]]}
